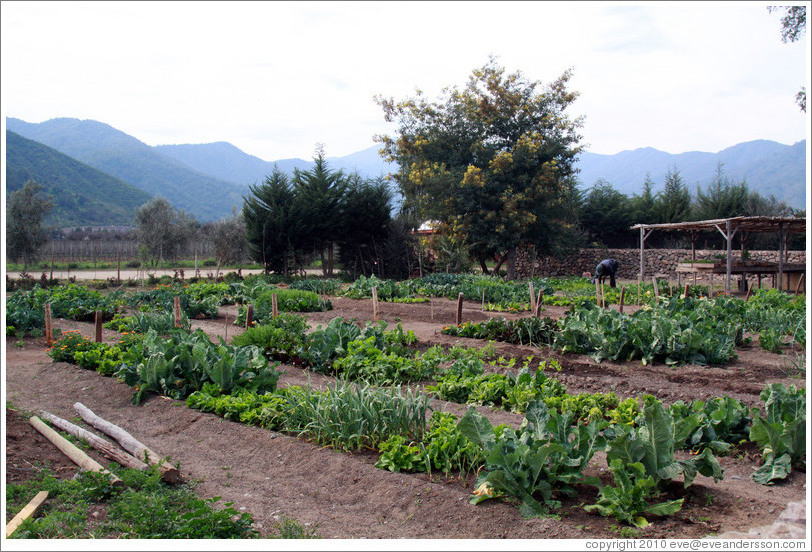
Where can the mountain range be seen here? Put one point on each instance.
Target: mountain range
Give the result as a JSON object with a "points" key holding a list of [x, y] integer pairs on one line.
{"points": [[210, 180]]}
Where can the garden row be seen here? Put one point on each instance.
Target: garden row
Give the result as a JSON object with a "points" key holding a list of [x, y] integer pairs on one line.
{"points": [[535, 464]]}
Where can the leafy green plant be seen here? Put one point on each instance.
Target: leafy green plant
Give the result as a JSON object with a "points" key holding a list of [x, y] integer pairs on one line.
{"points": [[282, 338], [653, 444], [717, 422], [781, 433], [544, 457], [630, 496]]}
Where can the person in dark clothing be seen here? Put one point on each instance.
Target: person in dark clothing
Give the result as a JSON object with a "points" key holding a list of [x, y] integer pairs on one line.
{"points": [[607, 267]]}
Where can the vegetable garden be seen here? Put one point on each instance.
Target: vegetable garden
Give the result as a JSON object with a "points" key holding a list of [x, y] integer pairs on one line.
{"points": [[682, 416]]}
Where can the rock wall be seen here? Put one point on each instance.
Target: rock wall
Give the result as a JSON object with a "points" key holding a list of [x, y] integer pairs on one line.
{"points": [[658, 262]]}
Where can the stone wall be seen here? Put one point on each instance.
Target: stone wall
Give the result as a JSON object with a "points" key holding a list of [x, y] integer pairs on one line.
{"points": [[658, 262]]}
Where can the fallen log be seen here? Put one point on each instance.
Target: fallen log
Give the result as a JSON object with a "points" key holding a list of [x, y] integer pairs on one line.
{"points": [[26, 512], [102, 445], [129, 443], [71, 451]]}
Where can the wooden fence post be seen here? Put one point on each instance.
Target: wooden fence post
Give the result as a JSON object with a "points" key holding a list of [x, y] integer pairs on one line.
{"points": [[459, 309], [49, 334], [274, 306], [249, 316], [98, 326], [177, 312], [532, 299], [622, 297], [374, 303]]}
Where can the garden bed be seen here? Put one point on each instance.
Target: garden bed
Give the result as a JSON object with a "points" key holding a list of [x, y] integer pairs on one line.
{"points": [[273, 475]]}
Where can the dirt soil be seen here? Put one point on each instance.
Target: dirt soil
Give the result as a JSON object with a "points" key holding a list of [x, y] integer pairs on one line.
{"points": [[273, 475]]}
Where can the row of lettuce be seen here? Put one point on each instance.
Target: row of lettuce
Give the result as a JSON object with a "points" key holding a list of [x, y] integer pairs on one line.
{"points": [[535, 465]]}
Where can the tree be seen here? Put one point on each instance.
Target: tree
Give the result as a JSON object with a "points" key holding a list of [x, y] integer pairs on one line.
{"points": [[722, 199], [25, 211], [644, 206], [793, 27], [674, 202], [605, 215], [228, 237], [319, 206], [365, 227], [163, 231], [269, 224], [491, 159]]}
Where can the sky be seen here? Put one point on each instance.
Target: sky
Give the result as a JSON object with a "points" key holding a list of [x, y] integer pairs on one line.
{"points": [[278, 78]]}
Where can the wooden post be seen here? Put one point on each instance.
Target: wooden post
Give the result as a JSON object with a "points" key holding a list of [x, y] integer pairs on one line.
{"points": [[656, 290], [225, 325], [249, 316], [797, 287], [26, 512], [178, 322], [374, 303], [483, 299], [598, 293], [274, 306], [118, 262], [102, 445], [603, 297], [538, 303], [98, 326], [747, 296], [459, 309], [49, 334], [129, 443], [71, 451], [622, 297], [686, 292], [532, 299]]}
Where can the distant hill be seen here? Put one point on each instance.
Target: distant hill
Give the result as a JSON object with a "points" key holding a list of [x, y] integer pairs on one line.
{"points": [[120, 155], [82, 195], [227, 162], [769, 168]]}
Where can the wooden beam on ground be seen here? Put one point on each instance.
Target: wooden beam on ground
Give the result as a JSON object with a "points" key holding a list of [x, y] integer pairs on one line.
{"points": [[28, 511], [71, 451], [102, 445], [129, 443]]}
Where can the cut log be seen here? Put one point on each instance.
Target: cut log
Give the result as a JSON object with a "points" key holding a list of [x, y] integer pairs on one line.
{"points": [[129, 443], [26, 512], [71, 451], [102, 445]]}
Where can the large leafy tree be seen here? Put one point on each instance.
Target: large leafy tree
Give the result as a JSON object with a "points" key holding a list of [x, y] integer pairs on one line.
{"points": [[25, 211], [366, 227], [492, 159]]}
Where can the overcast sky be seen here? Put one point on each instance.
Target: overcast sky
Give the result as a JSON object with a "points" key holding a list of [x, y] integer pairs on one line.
{"points": [[276, 78]]}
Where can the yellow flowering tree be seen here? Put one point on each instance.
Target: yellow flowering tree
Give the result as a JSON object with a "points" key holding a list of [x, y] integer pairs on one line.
{"points": [[494, 160]]}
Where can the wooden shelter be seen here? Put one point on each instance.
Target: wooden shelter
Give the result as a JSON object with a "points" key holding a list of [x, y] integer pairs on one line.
{"points": [[728, 227]]}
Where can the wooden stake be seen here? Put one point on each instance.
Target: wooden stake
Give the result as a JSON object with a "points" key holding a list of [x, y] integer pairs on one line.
{"points": [[656, 291], [459, 309], [71, 451], [274, 305], [798, 286], [26, 512], [685, 296], [374, 303], [177, 312], [49, 334], [622, 297], [483, 299], [98, 327], [747, 297], [249, 316], [597, 293], [129, 443], [102, 445], [603, 296], [538, 304], [532, 299]]}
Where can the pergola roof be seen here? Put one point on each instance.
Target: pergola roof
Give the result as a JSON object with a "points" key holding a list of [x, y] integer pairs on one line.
{"points": [[745, 224]]}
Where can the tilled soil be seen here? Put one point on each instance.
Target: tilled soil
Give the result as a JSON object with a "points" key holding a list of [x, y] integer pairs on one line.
{"points": [[273, 475]]}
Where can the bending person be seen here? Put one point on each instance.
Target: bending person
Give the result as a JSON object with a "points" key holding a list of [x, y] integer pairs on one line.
{"points": [[607, 267]]}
